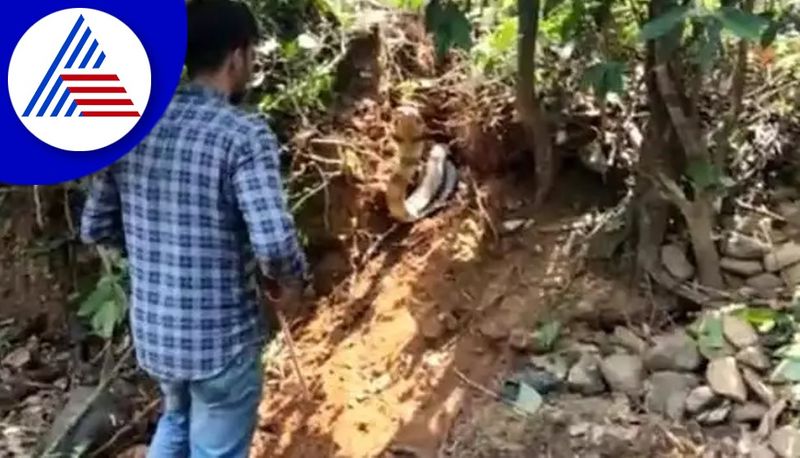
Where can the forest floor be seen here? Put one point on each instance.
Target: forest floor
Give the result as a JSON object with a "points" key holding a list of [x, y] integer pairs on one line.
{"points": [[393, 361]]}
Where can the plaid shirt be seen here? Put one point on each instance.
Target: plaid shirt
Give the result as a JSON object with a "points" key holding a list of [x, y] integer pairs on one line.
{"points": [[194, 205]]}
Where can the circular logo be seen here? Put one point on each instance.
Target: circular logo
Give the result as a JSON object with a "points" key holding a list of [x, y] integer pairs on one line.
{"points": [[87, 81], [79, 79]]}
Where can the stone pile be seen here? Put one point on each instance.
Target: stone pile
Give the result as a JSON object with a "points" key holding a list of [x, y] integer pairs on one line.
{"points": [[759, 255], [673, 376]]}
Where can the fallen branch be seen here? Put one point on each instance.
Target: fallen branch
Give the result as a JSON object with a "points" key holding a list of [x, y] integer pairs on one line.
{"points": [[287, 335], [477, 386]]}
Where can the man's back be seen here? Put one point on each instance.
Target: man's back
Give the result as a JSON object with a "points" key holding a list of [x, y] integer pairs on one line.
{"points": [[194, 196]]}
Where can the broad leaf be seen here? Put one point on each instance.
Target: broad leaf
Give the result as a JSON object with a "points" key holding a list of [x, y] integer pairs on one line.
{"points": [[449, 26], [787, 370], [745, 25], [664, 23], [94, 301]]}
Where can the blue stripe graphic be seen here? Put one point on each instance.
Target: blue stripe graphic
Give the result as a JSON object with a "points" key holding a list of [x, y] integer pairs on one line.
{"points": [[79, 48], [100, 60], [60, 103], [53, 66], [89, 55], [50, 96], [72, 108]]}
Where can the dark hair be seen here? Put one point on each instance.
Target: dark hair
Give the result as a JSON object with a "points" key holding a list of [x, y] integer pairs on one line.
{"points": [[215, 29]]}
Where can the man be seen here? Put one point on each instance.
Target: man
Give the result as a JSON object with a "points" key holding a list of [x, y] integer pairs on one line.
{"points": [[191, 205]]}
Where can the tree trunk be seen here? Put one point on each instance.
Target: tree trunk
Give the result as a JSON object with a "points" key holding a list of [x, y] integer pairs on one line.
{"points": [[657, 156], [533, 121], [673, 135]]}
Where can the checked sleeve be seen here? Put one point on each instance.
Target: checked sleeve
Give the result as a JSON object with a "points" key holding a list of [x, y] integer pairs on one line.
{"points": [[101, 220], [260, 195]]}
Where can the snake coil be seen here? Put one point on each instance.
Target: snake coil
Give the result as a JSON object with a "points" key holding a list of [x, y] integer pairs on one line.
{"points": [[439, 177]]}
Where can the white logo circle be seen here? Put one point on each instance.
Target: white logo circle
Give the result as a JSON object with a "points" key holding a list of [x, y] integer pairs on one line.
{"points": [[79, 79]]}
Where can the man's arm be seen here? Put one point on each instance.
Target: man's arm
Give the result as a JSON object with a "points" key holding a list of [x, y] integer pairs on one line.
{"points": [[101, 220], [261, 199]]}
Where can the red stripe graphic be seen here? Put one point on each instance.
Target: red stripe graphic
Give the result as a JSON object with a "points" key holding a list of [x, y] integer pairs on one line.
{"points": [[127, 102], [111, 114], [90, 77], [96, 90]]}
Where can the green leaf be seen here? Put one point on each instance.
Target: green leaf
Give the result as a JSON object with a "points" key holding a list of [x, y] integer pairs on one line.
{"points": [[710, 45], [549, 6], [745, 25], [449, 25], [791, 351], [94, 301], [547, 335], [704, 175], [664, 23], [710, 338], [770, 34], [106, 318], [504, 38], [760, 317], [787, 370], [605, 78]]}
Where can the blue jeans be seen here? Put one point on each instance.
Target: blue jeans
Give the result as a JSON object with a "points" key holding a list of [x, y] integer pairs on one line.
{"points": [[209, 418]]}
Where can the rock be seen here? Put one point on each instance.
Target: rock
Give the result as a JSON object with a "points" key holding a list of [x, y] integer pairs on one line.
{"points": [[783, 256], [623, 373], [791, 275], [585, 376], [18, 358], [741, 267], [432, 328], [554, 364], [520, 339], [790, 212], [765, 282], [742, 247], [667, 393], [785, 193], [762, 451], [513, 225], [753, 357], [714, 416], [673, 352], [738, 332], [749, 412], [732, 281], [494, 330], [700, 398], [629, 340], [724, 378], [778, 236], [758, 387], [676, 263], [785, 442]]}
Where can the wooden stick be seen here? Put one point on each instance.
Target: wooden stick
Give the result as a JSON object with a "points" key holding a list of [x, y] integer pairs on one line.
{"points": [[292, 353]]}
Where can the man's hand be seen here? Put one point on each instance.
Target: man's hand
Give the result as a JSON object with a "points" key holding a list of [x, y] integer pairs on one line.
{"points": [[288, 298]]}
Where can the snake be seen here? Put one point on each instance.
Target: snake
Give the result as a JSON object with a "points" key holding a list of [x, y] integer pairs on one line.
{"points": [[439, 175]]}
